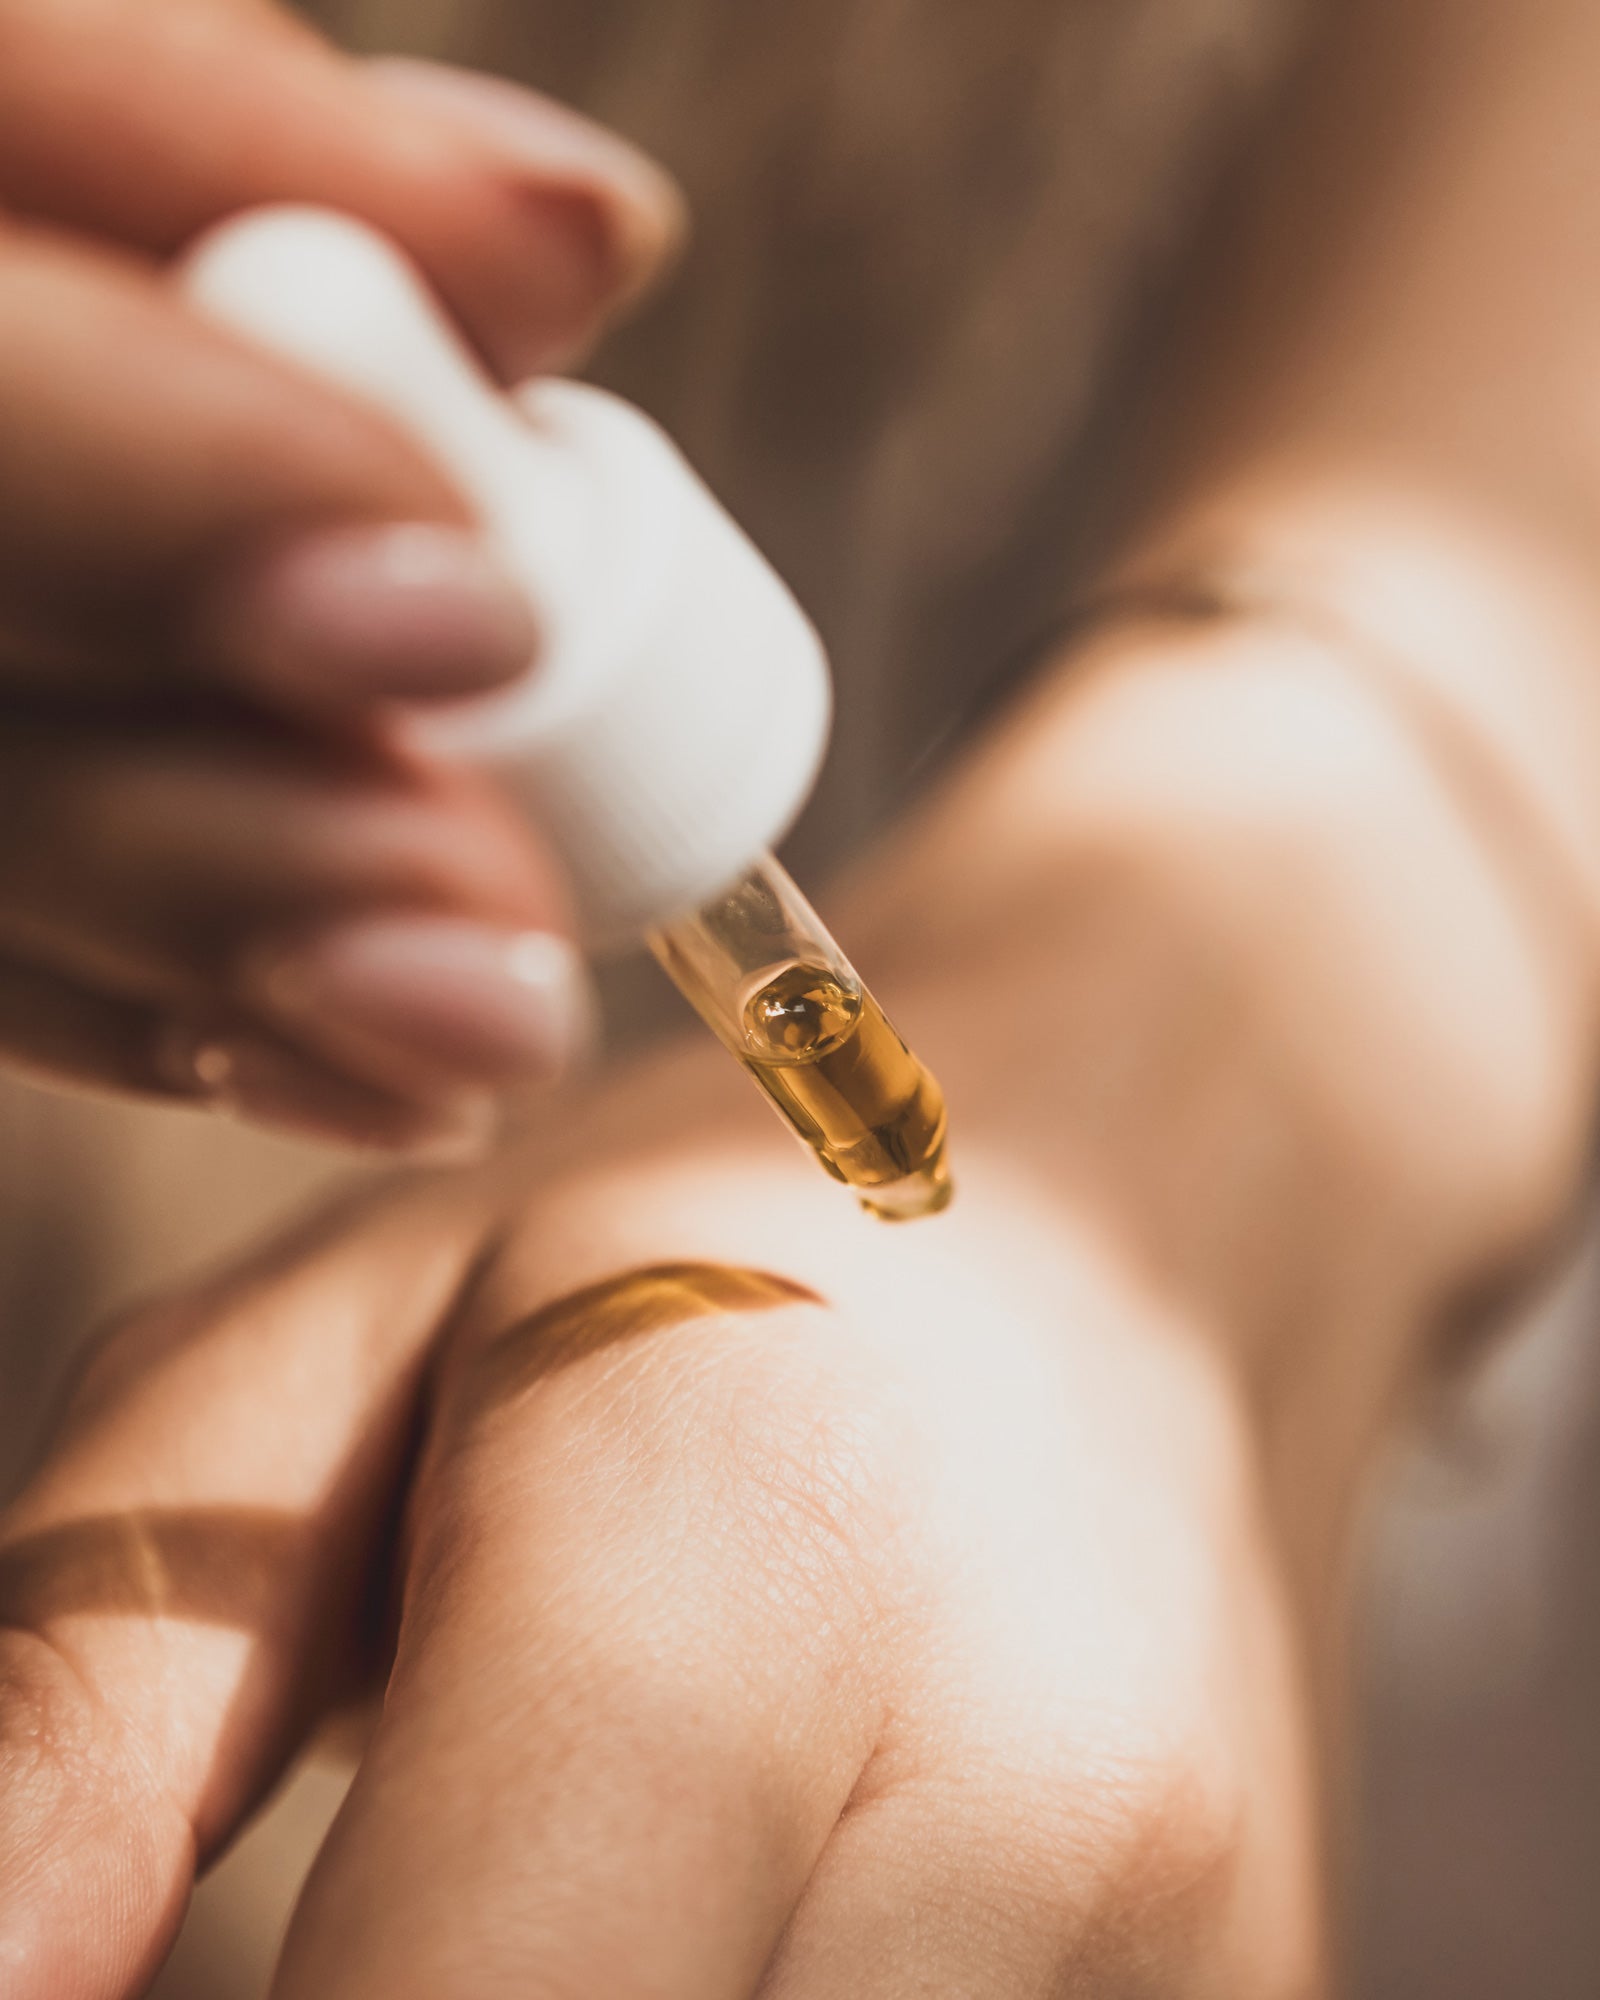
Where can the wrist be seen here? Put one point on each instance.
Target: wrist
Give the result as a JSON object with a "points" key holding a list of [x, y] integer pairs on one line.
{"points": [[1256, 990], [1476, 616]]}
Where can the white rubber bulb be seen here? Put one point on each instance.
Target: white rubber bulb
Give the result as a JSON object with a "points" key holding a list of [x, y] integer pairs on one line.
{"points": [[671, 726]]}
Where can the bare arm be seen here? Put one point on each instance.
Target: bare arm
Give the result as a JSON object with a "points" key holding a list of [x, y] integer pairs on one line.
{"points": [[1281, 898], [932, 1616]]}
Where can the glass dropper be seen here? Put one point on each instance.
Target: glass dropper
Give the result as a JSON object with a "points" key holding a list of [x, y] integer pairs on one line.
{"points": [[761, 969]]}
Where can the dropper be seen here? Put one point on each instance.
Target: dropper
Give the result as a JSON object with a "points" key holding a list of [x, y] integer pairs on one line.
{"points": [[672, 725], [760, 968]]}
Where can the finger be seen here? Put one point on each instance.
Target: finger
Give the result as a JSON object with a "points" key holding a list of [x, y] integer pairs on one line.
{"points": [[147, 124], [66, 1034], [394, 920], [249, 1072], [161, 849], [637, 1675], [188, 1576], [62, 1031], [643, 230], [174, 504]]}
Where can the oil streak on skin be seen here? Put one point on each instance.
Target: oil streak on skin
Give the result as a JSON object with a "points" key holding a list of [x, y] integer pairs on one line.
{"points": [[631, 1306]]}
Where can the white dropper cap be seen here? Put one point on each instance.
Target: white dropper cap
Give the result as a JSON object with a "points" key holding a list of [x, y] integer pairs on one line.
{"points": [[671, 727]]}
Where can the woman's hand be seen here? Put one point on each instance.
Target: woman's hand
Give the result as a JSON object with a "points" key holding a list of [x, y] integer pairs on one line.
{"points": [[789, 1606], [217, 874]]}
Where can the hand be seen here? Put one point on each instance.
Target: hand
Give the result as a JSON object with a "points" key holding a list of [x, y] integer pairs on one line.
{"points": [[938, 1610], [217, 874], [841, 1612]]}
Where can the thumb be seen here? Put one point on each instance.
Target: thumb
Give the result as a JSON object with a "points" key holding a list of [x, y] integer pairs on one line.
{"points": [[191, 1573]]}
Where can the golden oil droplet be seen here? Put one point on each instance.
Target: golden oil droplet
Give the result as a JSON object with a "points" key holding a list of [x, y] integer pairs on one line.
{"points": [[830, 1061]]}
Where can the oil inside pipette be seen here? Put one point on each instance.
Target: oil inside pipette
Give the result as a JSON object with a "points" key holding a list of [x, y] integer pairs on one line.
{"points": [[834, 1066]]}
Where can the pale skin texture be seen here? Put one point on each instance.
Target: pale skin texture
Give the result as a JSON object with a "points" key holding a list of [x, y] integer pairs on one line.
{"points": [[978, 1629], [969, 1631]]}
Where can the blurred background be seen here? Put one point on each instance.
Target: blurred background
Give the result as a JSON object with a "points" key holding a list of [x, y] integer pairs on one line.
{"points": [[922, 288]]}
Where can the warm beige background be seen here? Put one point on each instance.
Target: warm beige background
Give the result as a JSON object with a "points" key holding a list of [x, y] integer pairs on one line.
{"points": [[931, 240]]}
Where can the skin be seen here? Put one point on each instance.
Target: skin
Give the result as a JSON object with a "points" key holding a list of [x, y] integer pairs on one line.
{"points": [[957, 1609], [168, 789], [743, 1637], [954, 1608]]}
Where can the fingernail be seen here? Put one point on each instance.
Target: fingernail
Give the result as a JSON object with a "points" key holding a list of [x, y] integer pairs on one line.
{"points": [[402, 611], [626, 210], [250, 1077], [453, 996]]}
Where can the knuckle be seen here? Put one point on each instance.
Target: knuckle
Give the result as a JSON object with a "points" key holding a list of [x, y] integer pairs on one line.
{"points": [[1134, 1851], [1181, 1890], [1172, 1839]]}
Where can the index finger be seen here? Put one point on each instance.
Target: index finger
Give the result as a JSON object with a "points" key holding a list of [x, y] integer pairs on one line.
{"points": [[145, 124], [146, 451], [639, 1669]]}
